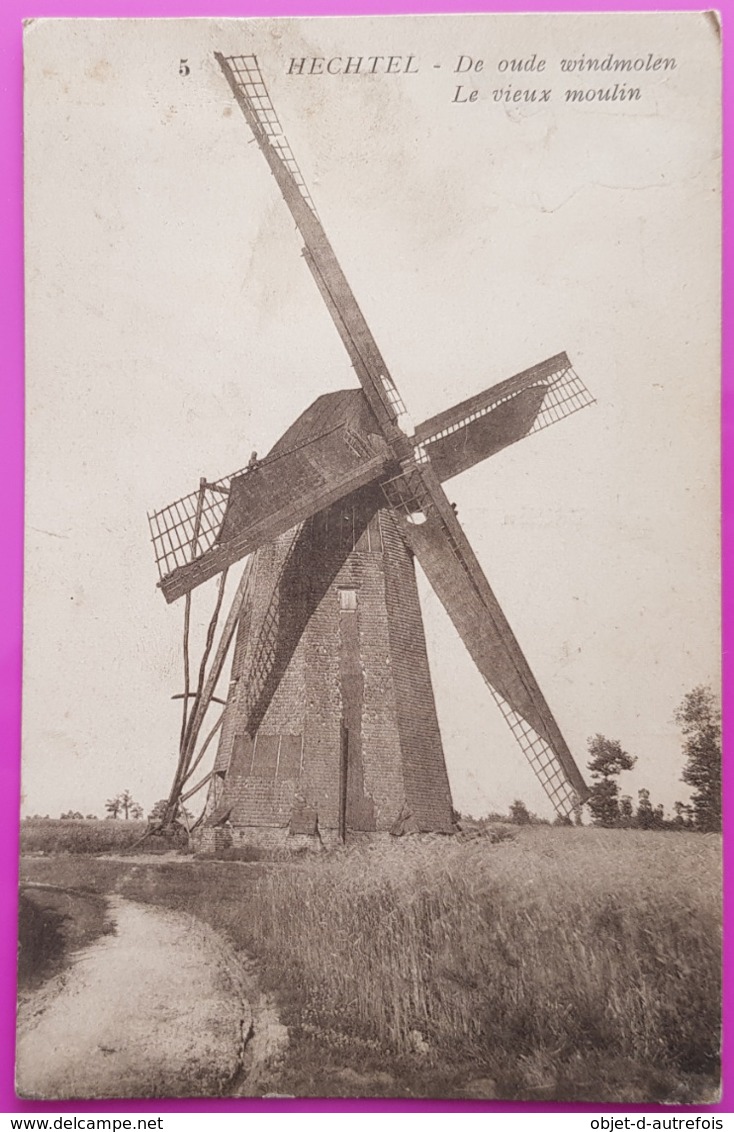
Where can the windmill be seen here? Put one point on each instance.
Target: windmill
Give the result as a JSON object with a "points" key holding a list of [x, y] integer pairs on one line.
{"points": [[330, 719]]}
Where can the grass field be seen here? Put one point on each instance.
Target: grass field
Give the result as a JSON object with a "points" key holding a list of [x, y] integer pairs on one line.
{"points": [[53, 835], [574, 964]]}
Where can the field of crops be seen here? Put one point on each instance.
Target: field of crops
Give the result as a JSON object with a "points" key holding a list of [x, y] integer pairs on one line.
{"points": [[575, 964], [566, 949], [54, 835]]}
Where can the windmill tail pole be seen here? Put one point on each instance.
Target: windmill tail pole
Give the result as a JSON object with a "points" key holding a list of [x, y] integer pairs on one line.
{"points": [[190, 731], [200, 704], [204, 694], [190, 736], [172, 804], [204, 748], [187, 613], [139, 841]]}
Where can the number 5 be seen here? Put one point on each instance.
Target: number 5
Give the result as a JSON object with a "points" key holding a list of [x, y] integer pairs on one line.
{"points": [[184, 68]]}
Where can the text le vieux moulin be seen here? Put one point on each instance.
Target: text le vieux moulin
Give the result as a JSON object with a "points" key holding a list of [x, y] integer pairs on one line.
{"points": [[472, 70]]}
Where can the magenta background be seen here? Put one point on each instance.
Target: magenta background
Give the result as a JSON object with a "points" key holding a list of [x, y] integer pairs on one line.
{"points": [[12, 12]]}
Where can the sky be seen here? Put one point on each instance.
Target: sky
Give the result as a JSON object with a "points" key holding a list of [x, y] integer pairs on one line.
{"points": [[173, 327]]}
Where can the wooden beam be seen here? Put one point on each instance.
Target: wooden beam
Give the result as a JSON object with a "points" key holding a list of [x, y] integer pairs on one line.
{"points": [[192, 696], [206, 695], [220, 654], [195, 789]]}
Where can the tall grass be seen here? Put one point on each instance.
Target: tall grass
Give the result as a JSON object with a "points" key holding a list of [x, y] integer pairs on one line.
{"points": [[54, 835], [562, 942]]}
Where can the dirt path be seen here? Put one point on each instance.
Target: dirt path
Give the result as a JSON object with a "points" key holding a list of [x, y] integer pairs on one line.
{"points": [[159, 1008]]}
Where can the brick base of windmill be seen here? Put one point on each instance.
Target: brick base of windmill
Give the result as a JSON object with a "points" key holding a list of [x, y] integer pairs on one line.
{"points": [[331, 724]]}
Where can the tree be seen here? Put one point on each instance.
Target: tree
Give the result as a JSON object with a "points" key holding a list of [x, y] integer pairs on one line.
{"points": [[645, 812], [683, 815], [699, 718], [519, 813], [124, 803], [159, 809], [603, 803], [626, 812], [680, 811], [127, 802], [607, 761], [112, 805]]}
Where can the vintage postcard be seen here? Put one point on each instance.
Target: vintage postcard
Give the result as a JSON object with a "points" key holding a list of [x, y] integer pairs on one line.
{"points": [[371, 679]]}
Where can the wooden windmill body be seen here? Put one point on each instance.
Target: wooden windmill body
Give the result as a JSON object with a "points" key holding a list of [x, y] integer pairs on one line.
{"points": [[329, 723]]}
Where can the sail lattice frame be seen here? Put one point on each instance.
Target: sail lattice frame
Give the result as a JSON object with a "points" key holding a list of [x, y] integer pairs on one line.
{"points": [[246, 71], [542, 758], [189, 526], [565, 394]]}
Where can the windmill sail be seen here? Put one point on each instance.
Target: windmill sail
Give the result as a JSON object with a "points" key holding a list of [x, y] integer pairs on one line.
{"points": [[243, 75], [484, 424], [458, 580]]}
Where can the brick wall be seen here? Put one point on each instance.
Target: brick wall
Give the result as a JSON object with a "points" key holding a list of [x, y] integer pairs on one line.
{"points": [[302, 664], [427, 792]]}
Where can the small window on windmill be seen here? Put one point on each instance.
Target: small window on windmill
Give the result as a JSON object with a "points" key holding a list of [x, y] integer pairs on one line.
{"points": [[347, 601]]}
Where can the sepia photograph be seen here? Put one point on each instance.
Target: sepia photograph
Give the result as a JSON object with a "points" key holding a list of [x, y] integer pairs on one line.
{"points": [[371, 678]]}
